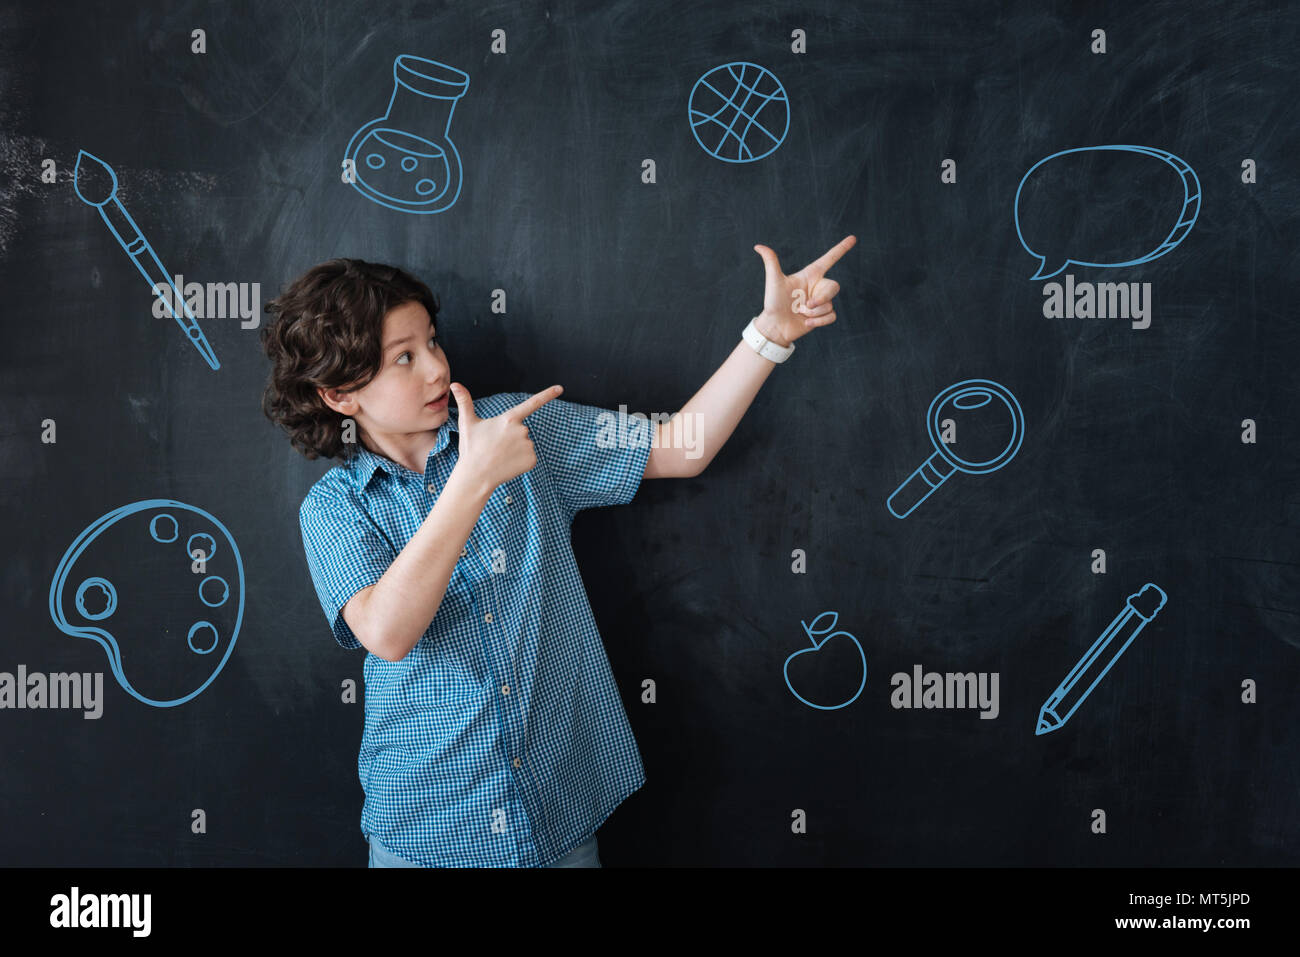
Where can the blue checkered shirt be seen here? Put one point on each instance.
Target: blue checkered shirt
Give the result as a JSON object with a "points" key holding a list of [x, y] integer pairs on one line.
{"points": [[500, 740]]}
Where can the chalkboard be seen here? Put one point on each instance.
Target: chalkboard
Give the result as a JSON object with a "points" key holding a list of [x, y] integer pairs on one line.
{"points": [[1093, 211]]}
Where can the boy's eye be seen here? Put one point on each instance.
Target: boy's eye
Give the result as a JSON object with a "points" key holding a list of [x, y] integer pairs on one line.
{"points": [[398, 360]]}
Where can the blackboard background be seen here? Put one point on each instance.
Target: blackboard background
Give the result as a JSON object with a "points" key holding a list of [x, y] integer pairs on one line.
{"points": [[628, 293]]}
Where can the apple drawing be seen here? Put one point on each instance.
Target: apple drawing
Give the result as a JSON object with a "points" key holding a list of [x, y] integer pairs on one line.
{"points": [[833, 669]]}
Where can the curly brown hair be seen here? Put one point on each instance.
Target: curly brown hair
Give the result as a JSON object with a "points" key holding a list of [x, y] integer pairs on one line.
{"points": [[326, 330]]}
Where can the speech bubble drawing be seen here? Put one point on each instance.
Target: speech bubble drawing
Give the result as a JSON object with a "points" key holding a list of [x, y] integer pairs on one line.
{"points": [[169, 580], [1187, 205]]}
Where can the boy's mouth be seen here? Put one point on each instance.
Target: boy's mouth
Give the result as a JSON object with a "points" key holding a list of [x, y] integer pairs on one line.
{"points": [[438, 403]]}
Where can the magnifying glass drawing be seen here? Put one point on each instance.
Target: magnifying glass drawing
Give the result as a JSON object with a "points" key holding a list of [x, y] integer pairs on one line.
{"points": [[986, 425]]}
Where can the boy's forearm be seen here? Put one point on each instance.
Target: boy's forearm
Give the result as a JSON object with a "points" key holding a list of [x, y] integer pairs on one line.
{"points": [[792, 305], [397, 610], [717, 408]]}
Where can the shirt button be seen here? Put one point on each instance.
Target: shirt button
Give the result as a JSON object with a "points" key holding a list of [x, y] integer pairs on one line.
{"points": [[432, 489], [464, 551], [505, 689], [488, 618], [508, 499], [517, 763]]}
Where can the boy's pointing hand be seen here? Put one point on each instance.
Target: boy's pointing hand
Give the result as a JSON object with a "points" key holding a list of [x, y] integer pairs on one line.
{"points": [[497, 449], [796, 304]]}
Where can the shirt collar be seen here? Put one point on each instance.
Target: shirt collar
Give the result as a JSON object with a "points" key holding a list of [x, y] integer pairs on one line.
{"points": [[361, 469]]}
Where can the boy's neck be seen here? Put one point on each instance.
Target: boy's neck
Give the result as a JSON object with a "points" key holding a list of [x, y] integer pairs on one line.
{"points": [[413, 455]]}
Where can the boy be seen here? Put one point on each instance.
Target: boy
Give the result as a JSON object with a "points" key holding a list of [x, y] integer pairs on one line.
{"points": [[494, 733]]}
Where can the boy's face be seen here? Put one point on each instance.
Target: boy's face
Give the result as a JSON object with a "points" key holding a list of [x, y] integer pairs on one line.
{"points": [[413, 370]]}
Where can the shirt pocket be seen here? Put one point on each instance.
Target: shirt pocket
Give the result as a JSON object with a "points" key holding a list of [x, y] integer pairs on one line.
{"points": [[485, 612], [505, 519], [499, 547]]}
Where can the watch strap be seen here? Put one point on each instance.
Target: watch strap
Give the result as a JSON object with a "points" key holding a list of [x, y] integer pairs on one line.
{"points": [[764, 346]]}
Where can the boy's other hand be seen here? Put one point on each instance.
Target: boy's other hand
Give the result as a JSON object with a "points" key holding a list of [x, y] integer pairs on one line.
{"points": [[497, 449], [796, 304]]}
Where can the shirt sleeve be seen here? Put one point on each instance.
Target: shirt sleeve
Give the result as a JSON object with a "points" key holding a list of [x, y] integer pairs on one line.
{"points": [[345, 553], [595, 457]]}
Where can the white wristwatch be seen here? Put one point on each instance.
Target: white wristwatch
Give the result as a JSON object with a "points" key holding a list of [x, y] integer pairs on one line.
{"points": [[764, 346]]}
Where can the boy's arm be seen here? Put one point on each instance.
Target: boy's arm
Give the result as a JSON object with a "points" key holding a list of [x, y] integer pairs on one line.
{"points": [[792, 306], [710, 417], [390, 616]]}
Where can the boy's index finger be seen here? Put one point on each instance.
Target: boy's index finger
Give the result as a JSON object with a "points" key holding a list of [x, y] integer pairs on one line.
{"points": [[832, 255], [533, 403]]}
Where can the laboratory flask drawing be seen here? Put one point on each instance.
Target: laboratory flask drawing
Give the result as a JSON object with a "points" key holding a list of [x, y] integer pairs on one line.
{"points": [[739, 112], [1185, 197], [831, 667], [168, 580], [405, 160], [95, 183], [965, 400]]}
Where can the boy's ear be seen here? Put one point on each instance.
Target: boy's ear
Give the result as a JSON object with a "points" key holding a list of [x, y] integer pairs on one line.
{"points": [[338, 400]]}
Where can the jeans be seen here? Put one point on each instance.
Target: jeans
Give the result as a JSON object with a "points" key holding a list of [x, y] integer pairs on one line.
{"points": [[584, 855]]}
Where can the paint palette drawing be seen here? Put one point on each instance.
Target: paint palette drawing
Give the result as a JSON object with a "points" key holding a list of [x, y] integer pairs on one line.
{"points": [[159, 585]]}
